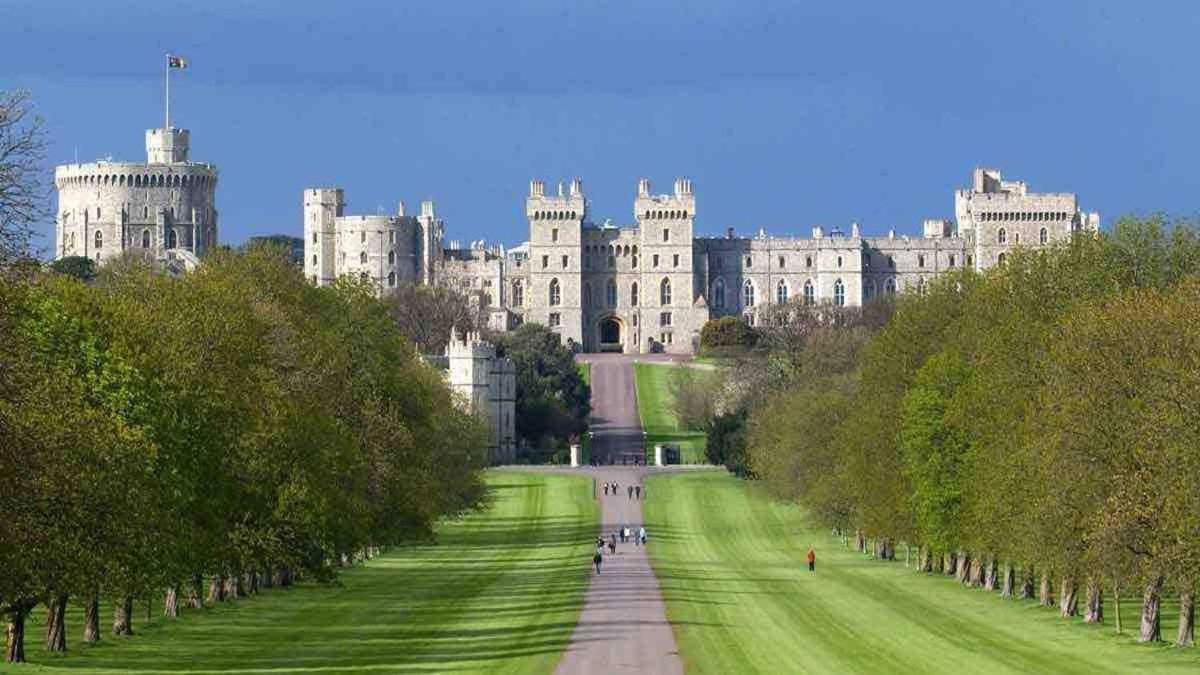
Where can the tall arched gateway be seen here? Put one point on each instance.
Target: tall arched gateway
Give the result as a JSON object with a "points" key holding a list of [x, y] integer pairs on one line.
{"points": [[610, 335]]}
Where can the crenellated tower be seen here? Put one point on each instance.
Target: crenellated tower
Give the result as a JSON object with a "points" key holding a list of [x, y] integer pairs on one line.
{"points": [[555, 257]]}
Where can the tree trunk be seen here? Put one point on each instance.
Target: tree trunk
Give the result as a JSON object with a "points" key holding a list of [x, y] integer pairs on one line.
{"points": [[123, 616], [267, 578], [962, 572], [233, 586], [1094, 612], [925, 562], [195, 596], [253, 579], [1068, 598], [1026, 584], [1187, 620], [860, 542], [14, 633], [216, 589], [976, 572], [171, 602], [1006, 585], [989, 576], [91, 621], [1152, 612], [889, 549], [1046, 594], [1117, 605], [56, 623]]}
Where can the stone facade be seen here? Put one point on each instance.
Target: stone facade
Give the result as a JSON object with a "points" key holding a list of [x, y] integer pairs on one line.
{"points": [[651, 285], [487, 385], [167, 203]]}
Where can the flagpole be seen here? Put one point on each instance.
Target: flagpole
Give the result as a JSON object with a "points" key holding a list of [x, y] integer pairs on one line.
{"points": [[167, 63]]}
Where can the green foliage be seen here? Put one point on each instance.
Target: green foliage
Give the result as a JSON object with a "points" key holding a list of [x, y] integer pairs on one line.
{"points": [[553, 402], [80, 267], [727, 335]]}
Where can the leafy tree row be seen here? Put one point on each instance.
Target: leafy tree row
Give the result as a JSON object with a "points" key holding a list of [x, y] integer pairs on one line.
{"points": [[196, 438], [1031, 428]]}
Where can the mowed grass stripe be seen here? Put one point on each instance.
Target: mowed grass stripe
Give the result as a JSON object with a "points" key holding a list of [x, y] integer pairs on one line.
{"points": [[740, 598], [658, 419], [500, 592]]}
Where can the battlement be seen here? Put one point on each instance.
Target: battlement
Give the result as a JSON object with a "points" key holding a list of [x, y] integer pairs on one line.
{"points": [[569, 204], [167, 146], [680, 205], [469, 345]]}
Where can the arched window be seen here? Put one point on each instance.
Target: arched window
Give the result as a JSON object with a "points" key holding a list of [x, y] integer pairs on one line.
{"points": [[839, 261], [518, 294], [839, 293], [1043, 236], [555, 293], [810, 293], [391, 257], [889, 286], [392, 279], [808, 261], [610, 293], [781, 292], [718, 294], [748, 294], [145, 238], [99, 239], [920, 260], [314, 260], [664, 293], [1001, 236], [1000, 259], [362, 257], [171, 238], [633, 295]]}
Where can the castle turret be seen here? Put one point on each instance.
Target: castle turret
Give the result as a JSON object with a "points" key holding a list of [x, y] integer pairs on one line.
{"points": [[322, 208], [167, 146]]}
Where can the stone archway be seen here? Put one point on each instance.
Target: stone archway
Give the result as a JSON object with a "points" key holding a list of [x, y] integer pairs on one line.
{"points": [[610, 329]]}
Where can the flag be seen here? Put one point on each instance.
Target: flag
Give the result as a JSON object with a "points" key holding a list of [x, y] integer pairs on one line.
{"points": [[176, 62]]}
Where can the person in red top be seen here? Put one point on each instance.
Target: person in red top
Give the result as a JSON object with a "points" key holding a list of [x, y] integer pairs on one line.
{"points": [[812, 560]]}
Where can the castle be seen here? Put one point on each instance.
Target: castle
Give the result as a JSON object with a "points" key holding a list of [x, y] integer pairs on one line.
{"points": [[652, 285], [487, 384], [165, 206]]}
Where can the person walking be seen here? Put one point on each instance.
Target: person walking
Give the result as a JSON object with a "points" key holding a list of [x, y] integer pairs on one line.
{"points": [[642, 535], [638, 491], [598, 558], [812, 559], [612, 544], [629, 490]]}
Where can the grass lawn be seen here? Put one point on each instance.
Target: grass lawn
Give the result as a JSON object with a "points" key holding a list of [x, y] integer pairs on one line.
{"points": [[658, 421], [500, 592], [730, 563]]}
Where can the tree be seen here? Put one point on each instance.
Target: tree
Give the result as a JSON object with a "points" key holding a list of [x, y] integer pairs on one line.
{"points": [[426, 314], [553, 402], [727, 335], [24, 199], [80, 267]]}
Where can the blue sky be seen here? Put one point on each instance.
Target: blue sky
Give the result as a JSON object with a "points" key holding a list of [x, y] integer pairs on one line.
{"points": [[785, 115]]}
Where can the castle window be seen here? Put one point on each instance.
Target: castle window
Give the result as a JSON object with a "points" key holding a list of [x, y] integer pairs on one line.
{"points": [[392, 279], [890, 286], [1001, 236], [891, 262], [781, 262], [391, 237], [612, 262], [554, 234], [633, 296], [1000, 259], [748, 294], [839, 293], [518, 294], [391, 257], [635, 249], [145, 211], [664, 293], [362, 257], [555, 293], [749, 261], [314, 237], [171, 238], [808, 261], [145, 238], [951, 260], [920, 260], [1017, 238], [314, 260], [97, 213], [968, 260], [565, 261], [555, 319], [718, 294], [839, 261], [810, 293], [99, 239], [675, 260], [664, 319], [545, 261], [1043, 236], [666, 234], [655, 260], [362, 237], [610, 293], [781, 292], [633, 262]]}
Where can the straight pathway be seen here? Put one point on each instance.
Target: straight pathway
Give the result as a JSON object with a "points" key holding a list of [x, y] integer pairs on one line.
{"points": [[623, 627]]}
